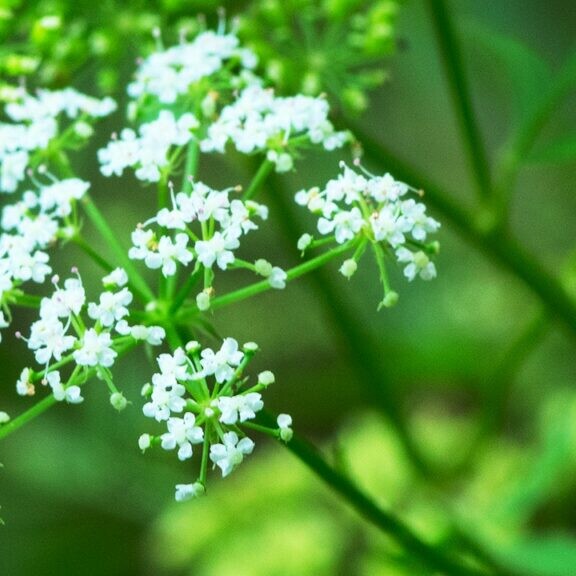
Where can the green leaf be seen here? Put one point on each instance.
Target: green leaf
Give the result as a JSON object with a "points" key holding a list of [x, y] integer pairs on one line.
{"points": [[525, 72], [558, 151]]}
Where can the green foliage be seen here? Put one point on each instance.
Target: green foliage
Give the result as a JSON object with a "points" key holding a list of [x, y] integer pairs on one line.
{"points": [[333, 46]]}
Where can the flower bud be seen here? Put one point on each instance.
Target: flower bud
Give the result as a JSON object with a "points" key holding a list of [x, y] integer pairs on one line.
{"points": [[266, 378], [118, 401], [348, 268], [144, 442]]}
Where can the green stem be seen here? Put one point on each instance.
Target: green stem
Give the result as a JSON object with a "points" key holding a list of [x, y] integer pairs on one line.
{"points": [[45, 403], [24, 300], [496, 243], [185, 290], [428, 555], [136, 282], [264, 285], [460, 92], [521, 144], [259, 178], [191, 165], [27, 416], [102, 262]]}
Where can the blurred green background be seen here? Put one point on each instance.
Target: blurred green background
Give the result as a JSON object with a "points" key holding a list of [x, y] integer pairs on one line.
{"points": [[78, 498]]}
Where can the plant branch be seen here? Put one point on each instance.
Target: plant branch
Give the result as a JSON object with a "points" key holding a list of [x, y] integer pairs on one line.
{"points": [[137, 283], [427, 554], [460, 91]]}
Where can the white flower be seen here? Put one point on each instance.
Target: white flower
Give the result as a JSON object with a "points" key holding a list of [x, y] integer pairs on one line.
{"points": [[154, 335], [278, 278], [182, 432], [49, 340], [117, 277], [144, 442], [111, 308], [345, 225], [188, 491], [169, 252], [71, 394], [418, 264], [242, 407], [284, 422], [24, 385], [96, 350], [164, 401], [218, 249], [58, 197], [221, 364], [231, 453]]}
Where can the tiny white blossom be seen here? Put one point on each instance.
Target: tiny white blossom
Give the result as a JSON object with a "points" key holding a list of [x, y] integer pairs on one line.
{"points": [[221, 364], [182, 432], [188, 491], [96, 350], [231, 452], [239, 408]]}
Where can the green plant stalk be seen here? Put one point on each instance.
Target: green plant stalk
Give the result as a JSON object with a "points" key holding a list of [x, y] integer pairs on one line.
{"points": [[185, 290], [521, 144], [137, 283], [102, 262], [264, 285], [428, 555], [496, 243], [41, 407], [190, 166], [259, 178], [451, 55]]}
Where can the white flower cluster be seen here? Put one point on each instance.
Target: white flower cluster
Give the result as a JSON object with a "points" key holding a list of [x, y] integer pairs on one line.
{"points": [[36, 125], [149, 150], [259, 121], [30, 226], [221, 223], [61, 329], [202, 398], [375, 208], [170, 73]]}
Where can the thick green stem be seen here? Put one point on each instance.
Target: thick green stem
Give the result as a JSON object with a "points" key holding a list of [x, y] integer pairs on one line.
{"points": [[136, 282], [27, 416], [417, 548], [185, 290], [460, 92]]}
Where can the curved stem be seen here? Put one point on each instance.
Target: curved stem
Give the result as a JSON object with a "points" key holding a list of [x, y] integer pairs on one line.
{"points": [[460, 92], [102, 262], [264, 285], [45, 403], [136, 282], [428, 555]]}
